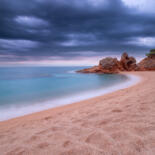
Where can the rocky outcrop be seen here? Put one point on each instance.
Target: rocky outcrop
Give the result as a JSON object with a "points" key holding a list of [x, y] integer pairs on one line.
{"points": [[107, 65], [152, 56], [147, 64], [111, 65], [95, 69], [127, 63]]}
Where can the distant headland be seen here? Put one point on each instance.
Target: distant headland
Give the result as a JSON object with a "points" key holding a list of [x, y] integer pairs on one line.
{"points": [[110, 65]]}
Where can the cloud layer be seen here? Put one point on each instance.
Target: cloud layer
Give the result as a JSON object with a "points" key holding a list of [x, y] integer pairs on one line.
{"points": [[42, 29]]}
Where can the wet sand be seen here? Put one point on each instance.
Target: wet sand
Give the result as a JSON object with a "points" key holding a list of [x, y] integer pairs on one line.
{"points": [[119, 123]]}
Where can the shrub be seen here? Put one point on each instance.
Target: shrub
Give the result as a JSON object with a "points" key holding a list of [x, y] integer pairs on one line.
{"points": [[152, 52]]}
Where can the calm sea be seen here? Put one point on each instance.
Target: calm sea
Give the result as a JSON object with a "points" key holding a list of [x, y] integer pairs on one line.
{"points": [[25, 90]]}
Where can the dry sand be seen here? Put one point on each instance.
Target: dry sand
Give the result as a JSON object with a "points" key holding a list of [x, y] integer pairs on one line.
{"points": [[119, 123]]}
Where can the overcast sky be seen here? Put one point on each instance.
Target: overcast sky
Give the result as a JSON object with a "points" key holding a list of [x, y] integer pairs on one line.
{"points": [[76, 32]]}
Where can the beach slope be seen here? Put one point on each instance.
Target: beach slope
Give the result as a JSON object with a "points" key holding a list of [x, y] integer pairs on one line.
{"points": [[119, 123]]}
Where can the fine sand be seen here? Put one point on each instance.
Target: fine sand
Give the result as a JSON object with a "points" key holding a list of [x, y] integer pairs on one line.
{"points": [[119, 123]]}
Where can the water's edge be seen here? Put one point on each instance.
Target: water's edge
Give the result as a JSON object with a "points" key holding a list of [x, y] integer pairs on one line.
{"points": [[132, 80]]}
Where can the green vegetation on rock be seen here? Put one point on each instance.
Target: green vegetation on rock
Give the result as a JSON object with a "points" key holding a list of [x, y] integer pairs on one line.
{"points": [[152, 53]]}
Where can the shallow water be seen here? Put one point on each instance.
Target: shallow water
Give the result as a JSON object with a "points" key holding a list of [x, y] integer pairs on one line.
{"points": [[25, 88]]}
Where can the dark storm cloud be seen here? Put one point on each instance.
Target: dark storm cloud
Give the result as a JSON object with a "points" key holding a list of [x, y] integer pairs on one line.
{"points": [[68, 28]]}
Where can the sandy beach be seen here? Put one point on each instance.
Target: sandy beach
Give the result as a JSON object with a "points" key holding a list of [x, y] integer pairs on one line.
{"points": [[119, 123]]}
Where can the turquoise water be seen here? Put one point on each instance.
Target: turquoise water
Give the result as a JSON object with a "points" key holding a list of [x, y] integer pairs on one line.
{"points": [[25, 88]]}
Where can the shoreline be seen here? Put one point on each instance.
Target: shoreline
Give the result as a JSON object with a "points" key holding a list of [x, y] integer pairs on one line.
{"points": [[136, 82], [35, 108], [121, 122]]}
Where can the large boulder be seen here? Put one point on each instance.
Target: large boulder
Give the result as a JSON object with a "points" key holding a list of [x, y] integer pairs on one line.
{"points": [[127, 63], [147, 64], [109, 64]]}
